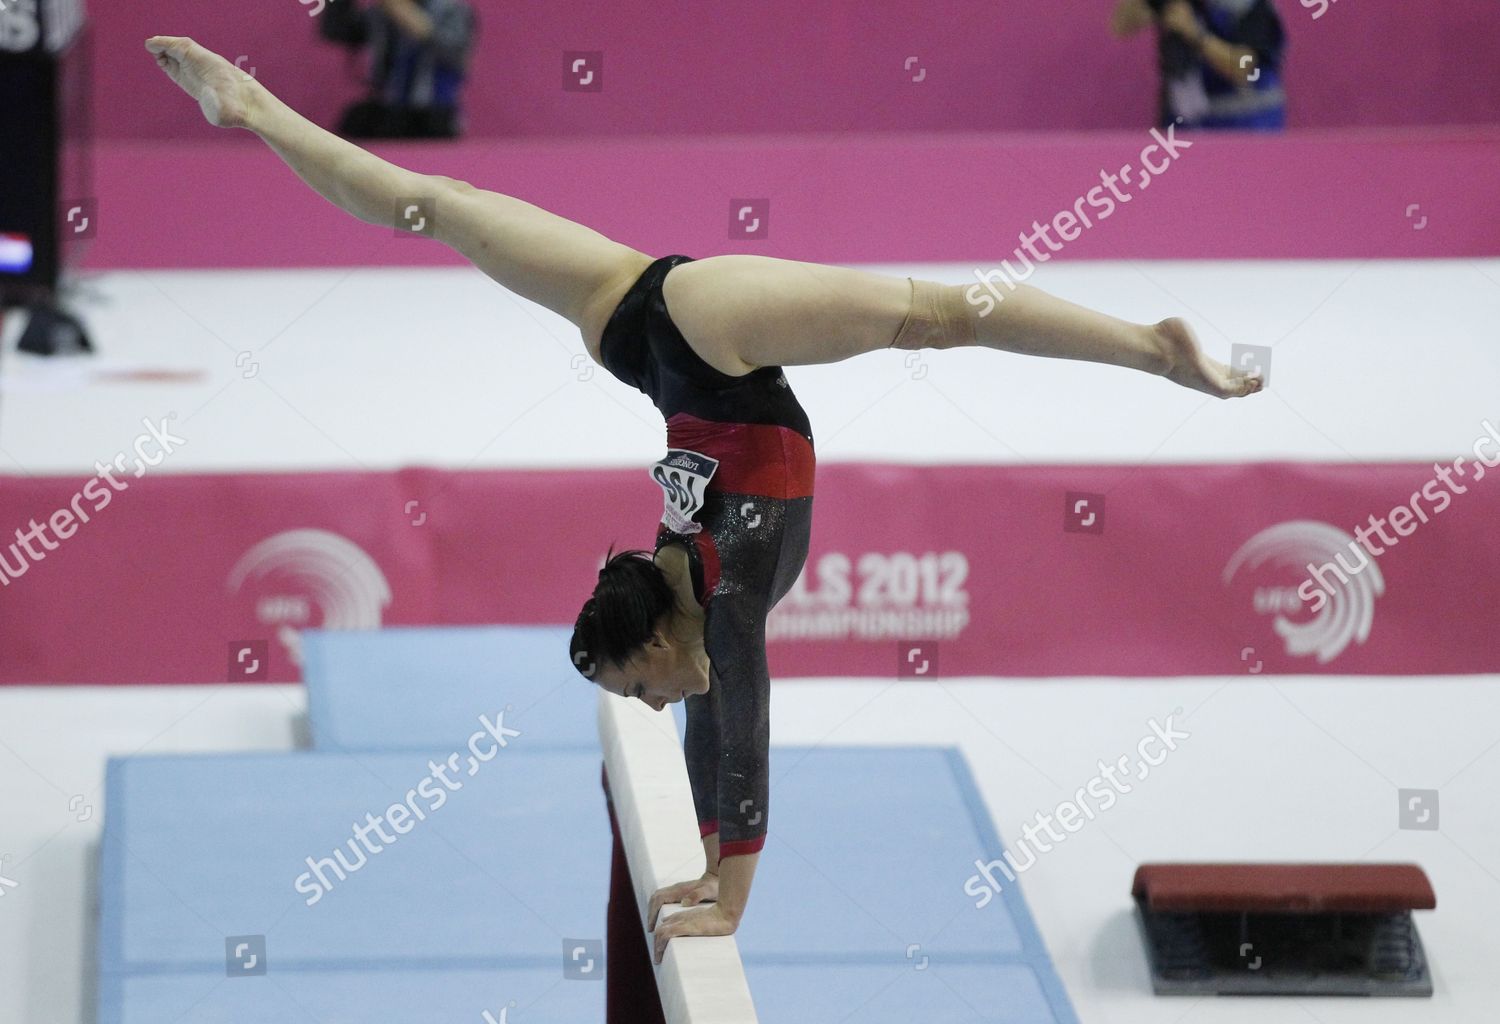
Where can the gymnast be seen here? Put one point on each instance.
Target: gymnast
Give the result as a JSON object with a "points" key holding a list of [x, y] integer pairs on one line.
{"points": [[686, 622]]}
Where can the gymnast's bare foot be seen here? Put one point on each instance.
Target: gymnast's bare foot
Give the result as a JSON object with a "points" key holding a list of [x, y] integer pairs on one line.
{"points": [[226, 93], [1187, 365]]}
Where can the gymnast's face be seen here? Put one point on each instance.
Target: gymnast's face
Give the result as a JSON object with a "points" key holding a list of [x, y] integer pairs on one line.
{"points": [[661, 671]]}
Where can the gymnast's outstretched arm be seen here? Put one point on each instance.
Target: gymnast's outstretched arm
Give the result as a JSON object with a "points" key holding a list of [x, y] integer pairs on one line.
{"points": [[566, 267]]}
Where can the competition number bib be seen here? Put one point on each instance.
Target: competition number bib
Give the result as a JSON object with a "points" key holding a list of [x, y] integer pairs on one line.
{"points": [[683, 477]]}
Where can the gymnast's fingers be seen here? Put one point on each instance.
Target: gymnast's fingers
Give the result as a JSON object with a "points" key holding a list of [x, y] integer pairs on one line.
{"points": [[700, 921], [663, 936], [674, 926], [663, 896]]}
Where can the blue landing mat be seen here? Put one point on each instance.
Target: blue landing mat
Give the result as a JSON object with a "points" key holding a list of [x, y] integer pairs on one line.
{"points": [[292, 995], [498, 872], [859, 900], [860, 896], [418, 688]]}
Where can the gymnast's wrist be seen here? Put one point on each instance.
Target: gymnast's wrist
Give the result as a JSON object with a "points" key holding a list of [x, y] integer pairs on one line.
{"points": [[732, 908], [735, 875]]}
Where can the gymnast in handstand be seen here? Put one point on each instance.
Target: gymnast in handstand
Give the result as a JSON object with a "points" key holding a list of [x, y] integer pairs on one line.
{"points": [[706, 340]]}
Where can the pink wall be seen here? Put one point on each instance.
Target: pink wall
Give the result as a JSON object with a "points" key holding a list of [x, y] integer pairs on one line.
{"points": [[774, 66], [869, 198]]}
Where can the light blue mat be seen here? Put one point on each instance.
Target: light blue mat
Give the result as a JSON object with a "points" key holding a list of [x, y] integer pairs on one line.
{"points": [[860, 891], [498, 872], [417, 688], [940, 993], [292, 995], [858, 902]]}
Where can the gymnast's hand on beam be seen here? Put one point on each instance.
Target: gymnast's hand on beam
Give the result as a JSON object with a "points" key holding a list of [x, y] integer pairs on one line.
{"points": [[710, 919], [225, 92], [689, 894]]}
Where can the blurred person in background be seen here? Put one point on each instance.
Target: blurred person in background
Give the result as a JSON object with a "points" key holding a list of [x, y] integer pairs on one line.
{"points": [[419, 56], [1220, 60]]}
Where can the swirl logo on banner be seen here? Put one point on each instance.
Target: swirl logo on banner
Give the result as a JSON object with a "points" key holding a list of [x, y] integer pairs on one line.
{"points": [[292, 573], [1341, 595]]}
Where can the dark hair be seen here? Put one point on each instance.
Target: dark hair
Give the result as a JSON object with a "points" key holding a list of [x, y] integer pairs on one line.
{"points": [[620, 616]]}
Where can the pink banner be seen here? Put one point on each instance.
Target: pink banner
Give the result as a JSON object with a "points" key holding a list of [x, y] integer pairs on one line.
{"points": [[914, 571]]}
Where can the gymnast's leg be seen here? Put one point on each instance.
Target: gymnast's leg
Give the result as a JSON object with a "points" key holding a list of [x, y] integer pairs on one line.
{"points": [[739, 312], [568, 268]]}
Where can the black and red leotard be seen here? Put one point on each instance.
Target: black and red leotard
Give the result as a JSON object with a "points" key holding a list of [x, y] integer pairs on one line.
{"points": [[737, 482]]}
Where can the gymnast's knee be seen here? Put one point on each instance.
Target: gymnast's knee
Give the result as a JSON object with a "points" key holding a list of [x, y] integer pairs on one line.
{"points": [[940, 317]]}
